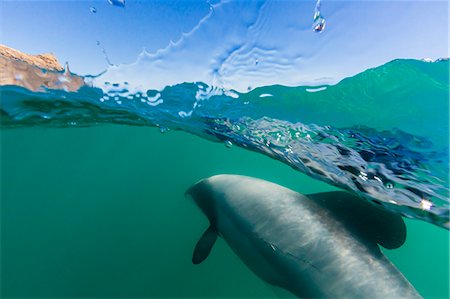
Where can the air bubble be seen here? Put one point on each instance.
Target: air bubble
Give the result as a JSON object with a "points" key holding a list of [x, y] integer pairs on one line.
{"points": [[163, 129], [319, 24], [389, 185], [211, 7]]}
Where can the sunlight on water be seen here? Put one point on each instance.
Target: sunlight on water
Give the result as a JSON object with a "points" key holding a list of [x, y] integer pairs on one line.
{"points": [[228, 143]]}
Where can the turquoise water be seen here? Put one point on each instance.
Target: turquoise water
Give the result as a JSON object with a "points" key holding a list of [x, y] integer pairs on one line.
{"points": [[100, 212], [313, 96], [372, 134]]}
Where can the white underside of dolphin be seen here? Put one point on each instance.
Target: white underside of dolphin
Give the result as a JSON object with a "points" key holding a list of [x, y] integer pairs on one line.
{"points": [[316, 246]]}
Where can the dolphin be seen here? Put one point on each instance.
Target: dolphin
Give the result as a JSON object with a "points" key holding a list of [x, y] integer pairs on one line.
{"points": [[323, 245]]}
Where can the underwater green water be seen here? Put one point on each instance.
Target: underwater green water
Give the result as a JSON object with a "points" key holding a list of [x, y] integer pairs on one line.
{"points": [[100, 212], [382, 133]]}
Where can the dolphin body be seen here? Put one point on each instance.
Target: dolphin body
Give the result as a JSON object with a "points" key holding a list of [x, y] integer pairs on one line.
{"points": [[316, 246]]}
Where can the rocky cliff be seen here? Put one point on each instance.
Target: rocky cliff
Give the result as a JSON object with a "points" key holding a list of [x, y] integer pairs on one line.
{"points": [[35, 72]]}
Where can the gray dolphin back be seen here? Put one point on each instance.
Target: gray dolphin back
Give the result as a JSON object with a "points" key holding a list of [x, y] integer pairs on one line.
{"points": [[363, 218], [321, 245]]}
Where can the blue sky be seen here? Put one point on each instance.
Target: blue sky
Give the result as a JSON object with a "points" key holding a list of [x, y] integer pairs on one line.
{"points": [[70, 30], [248, 42]]}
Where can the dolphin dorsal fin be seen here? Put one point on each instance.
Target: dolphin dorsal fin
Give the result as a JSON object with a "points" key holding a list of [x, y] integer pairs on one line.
{"points": [[204, 245], [363, 218]]}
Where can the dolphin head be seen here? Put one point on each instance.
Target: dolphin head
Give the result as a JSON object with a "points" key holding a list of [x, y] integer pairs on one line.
{"points": [[201, 194], [206, 198]]}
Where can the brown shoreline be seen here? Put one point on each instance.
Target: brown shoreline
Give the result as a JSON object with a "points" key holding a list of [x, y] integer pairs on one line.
{"points": [[35, 72]]}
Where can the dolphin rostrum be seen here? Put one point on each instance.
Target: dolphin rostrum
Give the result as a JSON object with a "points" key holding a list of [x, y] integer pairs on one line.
{"points": [[316, 246]]}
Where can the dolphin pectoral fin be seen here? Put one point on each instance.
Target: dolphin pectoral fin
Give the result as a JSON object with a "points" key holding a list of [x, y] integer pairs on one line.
{"points": [[280, 292], [364, 218], [204, 245]]}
